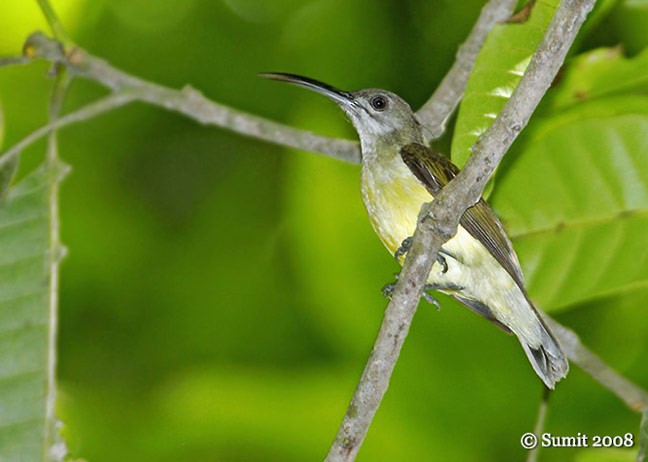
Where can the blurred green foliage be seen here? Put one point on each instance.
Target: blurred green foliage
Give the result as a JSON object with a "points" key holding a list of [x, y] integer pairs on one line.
{"points": [[220, 295]]}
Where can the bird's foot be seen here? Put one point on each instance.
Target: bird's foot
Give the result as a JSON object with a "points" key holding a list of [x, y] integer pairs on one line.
{"points": [[388, 289], [404, 248]]}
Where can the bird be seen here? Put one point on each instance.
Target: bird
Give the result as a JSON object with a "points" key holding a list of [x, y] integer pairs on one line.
{"points": [[478, 265]]}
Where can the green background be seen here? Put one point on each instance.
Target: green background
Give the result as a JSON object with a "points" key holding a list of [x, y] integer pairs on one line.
{"points": [[220, 295]]}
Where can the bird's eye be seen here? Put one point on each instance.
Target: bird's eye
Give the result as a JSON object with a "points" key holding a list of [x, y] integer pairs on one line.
{"points": [[379, 103]]}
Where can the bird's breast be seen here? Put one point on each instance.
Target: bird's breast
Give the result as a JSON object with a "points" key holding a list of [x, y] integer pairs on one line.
{"points": [[393, 198]]}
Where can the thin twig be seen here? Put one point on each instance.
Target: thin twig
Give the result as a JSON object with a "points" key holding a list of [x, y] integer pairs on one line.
{"points": [[14, 60], [434, 114], [55, 24], [642, 438], [532, 456], [438, 222], [86, 112], [55, 448], [190, 102]]}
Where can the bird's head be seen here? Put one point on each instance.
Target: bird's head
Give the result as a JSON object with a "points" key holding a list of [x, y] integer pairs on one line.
{"points": [[380, 117]]}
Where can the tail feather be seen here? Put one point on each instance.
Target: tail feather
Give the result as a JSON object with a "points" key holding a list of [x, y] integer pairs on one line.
{"points": [[548, 360]]}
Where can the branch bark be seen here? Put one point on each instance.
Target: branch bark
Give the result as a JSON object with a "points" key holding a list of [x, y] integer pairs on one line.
{"points": [[439, 219]]}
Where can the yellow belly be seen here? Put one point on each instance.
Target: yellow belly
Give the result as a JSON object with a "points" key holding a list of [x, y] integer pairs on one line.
{"points": [[393, 198]]}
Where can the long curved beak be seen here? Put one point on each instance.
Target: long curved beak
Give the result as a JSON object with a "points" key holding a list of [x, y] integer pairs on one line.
{"points": [[343, 98]]}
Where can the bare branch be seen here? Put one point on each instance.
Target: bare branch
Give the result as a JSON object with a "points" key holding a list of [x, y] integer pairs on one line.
{"points": [[439, 219], [53, 443], [14, 60], [434, 114], [189, 102], [532, 456]]}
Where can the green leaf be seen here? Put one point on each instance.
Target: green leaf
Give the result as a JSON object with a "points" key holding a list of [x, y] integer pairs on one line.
{"points": [[599, 73], [498, 69], [631, 20], [574, 198], [24, 319]]}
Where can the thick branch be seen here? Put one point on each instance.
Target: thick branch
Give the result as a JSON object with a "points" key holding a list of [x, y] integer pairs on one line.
{"points": [[438, 222], [189, 102], [434, 114]]}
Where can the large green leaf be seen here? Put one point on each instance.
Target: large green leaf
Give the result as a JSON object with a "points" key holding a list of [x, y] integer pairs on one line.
{"points": [[600, 73], [498, 69], [24, 319], [574, 197]]}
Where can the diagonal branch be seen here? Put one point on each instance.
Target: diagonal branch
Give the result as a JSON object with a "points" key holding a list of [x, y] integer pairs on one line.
{"points": [[434, 114], [439, 219], [188, 101]]}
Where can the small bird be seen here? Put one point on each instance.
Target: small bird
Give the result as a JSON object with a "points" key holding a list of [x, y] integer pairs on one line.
{"points": [[477, 266]]}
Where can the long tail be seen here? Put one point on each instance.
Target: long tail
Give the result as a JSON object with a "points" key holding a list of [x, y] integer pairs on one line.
{"points": [[548, 360], [544, 353]]}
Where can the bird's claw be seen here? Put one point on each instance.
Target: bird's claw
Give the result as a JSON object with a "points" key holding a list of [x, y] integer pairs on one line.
{"points": [[442, 261], [404, 248], [430, 299]]}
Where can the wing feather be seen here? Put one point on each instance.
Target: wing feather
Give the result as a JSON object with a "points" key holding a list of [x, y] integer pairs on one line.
{"points": [[435, 171]]}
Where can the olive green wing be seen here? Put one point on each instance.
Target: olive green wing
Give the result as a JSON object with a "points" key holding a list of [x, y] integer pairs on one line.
{"points": [[435, 171]]}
